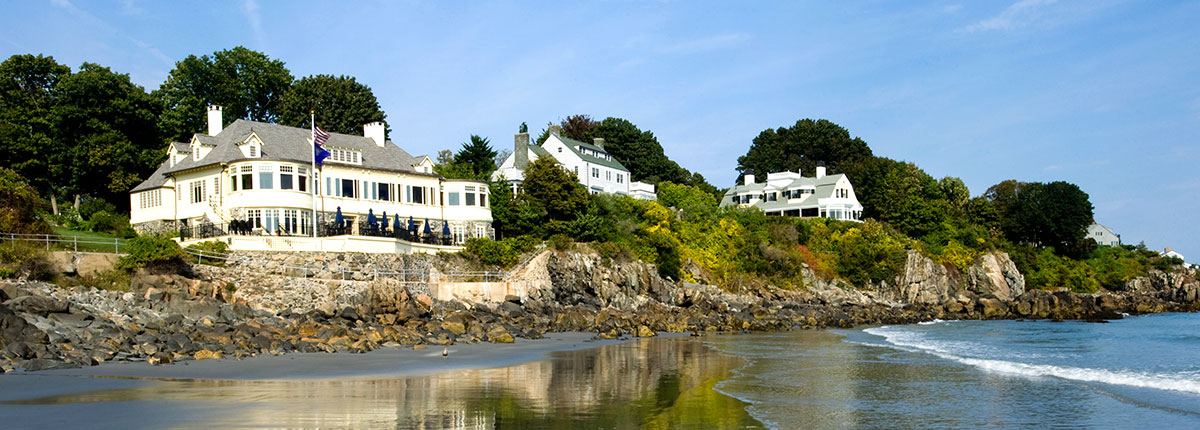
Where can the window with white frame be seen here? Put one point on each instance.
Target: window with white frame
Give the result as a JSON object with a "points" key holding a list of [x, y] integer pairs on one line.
{"points": [[347, 156], [595, 172], [198, 191], [150, 199]]}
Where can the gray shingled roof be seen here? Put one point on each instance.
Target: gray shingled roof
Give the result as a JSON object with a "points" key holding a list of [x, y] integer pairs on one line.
{"points": [[823, 189], [282, 143], [575, 145]]}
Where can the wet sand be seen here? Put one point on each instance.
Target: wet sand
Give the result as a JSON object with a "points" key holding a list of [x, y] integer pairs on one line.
{"points": [[559, 382]]}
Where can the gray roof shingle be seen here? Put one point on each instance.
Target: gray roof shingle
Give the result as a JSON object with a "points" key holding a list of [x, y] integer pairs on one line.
{"points": [[282, 143]]}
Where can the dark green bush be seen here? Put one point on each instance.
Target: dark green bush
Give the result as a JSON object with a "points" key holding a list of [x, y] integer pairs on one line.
{"points": [[504, 253], [143, 250], [561, 242]]}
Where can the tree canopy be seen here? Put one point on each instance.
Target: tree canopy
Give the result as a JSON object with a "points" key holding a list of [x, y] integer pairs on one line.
{"points": [[246, 84], [801, 146], [110, 128], [1056, 214], [27, 137], [555, 189], [341, 104]]}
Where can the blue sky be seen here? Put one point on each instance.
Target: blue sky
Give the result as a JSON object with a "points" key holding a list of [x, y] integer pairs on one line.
{"points": [[1100, 93]]}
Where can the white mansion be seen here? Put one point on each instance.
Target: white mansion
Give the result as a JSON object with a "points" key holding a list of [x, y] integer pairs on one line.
{"points": [[596, 169], [793, 194], [258, 177]]}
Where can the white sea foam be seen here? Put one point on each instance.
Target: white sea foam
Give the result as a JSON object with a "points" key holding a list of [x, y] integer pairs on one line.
{"points": [[1183, 382], [935, 321]]}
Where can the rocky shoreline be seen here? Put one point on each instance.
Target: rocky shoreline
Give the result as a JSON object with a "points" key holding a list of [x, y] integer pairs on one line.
{"points": [[178, 312]]}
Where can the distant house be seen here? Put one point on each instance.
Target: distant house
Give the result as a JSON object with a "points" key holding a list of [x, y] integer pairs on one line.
{"points": [[1171, 253], [258, 176], [595, 167], [793, 194], [1103, 235]]}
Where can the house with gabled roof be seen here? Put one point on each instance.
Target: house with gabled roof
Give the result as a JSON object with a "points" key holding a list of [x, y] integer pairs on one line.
{"points": [[596, 169], [793, 194], [1103, 235], [258, 178]]}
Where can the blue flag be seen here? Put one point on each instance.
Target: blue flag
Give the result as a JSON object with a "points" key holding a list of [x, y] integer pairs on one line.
{"points": [[319, 154]]}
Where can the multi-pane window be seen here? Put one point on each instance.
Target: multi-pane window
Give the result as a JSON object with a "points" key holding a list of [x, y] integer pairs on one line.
{"points": [[620, 178], [266, 177], [247, 178], [150, 199], [348, 156], [595, 172], [608, 175], [303, 176], [198, 191], [286, 178]]}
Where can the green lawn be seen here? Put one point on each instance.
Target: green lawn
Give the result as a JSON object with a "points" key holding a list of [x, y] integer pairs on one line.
{"points": [[87, 241]]}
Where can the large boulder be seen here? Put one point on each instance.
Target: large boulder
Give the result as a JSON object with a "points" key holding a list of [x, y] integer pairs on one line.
{"points": [[995, 274]]}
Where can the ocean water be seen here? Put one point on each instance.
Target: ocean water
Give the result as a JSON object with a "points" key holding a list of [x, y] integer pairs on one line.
{"points": [[1139, 372]]}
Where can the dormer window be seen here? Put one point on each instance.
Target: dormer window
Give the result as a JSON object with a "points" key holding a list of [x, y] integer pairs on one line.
{"points": [[347, 156]]}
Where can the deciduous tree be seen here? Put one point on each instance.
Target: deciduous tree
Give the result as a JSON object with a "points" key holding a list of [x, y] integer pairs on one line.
{"points": [[341, 104], [247, 84], [801, 146], [27, 140]]}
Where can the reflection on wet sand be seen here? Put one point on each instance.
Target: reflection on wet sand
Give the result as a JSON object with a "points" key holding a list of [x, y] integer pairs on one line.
{"points": [[651, 383]]}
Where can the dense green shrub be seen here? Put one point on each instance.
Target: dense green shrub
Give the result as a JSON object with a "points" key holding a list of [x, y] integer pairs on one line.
{"points": [[561, 242], [504, 253], [208, 248], [114, 224], [143, 250], [20, 205]]}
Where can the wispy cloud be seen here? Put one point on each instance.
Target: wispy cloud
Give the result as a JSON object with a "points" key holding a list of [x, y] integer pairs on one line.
{"points": [[711, 43], [130, 7], [250, 7], [1016, 15], [86, 16]]}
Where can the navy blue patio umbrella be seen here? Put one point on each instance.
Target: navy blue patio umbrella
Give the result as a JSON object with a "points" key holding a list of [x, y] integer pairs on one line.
{"points": [[337, 218], [445, 228], [396, 222], [371, 217], [383, 219], [412, 226], [427, 230]]}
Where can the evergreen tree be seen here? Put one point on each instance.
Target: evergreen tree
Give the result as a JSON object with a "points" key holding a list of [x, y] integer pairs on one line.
{"points": [[341, 104]]}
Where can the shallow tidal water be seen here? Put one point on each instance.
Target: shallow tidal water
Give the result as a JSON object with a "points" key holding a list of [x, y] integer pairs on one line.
{"points": [[1140, 372]]}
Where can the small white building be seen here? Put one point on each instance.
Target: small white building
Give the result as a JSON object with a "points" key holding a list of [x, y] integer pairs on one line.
{"points": [[1171, 253], [595, 167], [1103, 235], [793, 194], [257, 178]]}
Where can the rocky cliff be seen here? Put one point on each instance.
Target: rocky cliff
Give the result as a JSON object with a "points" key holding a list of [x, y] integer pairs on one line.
{"points": [[272, 303]]}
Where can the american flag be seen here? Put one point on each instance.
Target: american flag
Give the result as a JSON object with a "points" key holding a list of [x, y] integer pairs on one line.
{"points": [[319, 136]]}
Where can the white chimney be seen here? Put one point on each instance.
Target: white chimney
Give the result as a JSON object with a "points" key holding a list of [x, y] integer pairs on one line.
{"points": [[599, 142], [375, 131], [214, 120], [820, 169], [748, 177]]}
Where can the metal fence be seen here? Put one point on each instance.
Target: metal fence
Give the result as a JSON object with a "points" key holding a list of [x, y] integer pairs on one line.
{"points": [[68, 243]]}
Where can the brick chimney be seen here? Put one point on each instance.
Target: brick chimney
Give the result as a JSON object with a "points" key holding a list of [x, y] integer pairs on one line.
{"points": [[214, 120], [521, 151]]}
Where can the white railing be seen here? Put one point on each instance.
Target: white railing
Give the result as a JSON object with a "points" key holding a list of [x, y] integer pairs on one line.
{"points": [[73, 243]]}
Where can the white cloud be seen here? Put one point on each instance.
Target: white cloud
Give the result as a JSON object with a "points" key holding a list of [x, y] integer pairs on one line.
{"points": [[250, 7], [1016, 15]]}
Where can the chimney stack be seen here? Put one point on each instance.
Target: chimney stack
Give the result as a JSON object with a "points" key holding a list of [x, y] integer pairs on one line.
{"points": [[598, 141], [748, 177], [521, 151], [1167, 251], [375, 131], [820, 169], [214, 120], [556, 130]]}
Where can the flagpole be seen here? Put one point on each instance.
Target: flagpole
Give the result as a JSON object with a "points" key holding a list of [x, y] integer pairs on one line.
{"points": [[312, 125]]}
